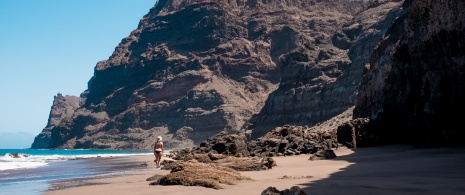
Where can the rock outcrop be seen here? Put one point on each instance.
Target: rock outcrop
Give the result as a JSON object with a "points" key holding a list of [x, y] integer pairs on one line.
{"points": [[198, 174], [236, 163], [63, 107], [413, 91], [282, 141]]}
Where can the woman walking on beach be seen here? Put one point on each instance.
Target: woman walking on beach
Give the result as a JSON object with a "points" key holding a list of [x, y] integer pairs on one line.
{"points": [[158, 151]]}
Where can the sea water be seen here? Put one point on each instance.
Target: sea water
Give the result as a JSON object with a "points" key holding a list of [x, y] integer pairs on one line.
{"points": [[29, 171]]}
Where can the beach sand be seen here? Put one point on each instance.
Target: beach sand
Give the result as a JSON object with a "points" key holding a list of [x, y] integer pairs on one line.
{"points": [[395, 169]]}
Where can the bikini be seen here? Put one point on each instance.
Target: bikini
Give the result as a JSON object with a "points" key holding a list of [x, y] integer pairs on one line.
{"points": [[157, 151]]}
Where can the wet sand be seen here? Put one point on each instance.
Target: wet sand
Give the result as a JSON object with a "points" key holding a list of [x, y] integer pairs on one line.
{"points": [[379, 170]]}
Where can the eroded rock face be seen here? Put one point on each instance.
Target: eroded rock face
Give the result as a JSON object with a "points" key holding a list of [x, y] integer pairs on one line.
{"points": [[320, 79], [413, 90], [235, 66], [188, 79], [63, 107]]}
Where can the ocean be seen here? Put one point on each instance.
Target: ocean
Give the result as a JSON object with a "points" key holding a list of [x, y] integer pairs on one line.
{"points": [[30, 171]]}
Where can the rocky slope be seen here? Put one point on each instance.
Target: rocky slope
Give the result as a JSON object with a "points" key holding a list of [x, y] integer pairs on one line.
{"points": [[194, 68], [320, 81], [63, 107], [414, 90]]}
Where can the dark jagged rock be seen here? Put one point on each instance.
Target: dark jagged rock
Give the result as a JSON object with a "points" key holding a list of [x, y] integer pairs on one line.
{"points": [[225, 150], [292, 140], [413, 89], [294, 190], [63, 107], [222, 143], [282, 141]]}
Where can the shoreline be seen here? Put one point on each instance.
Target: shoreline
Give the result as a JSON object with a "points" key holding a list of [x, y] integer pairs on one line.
{"points": [[128, 166], [395, 169]]}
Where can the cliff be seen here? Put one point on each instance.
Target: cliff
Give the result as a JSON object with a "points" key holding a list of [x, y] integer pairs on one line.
{"points": [[320, 81], [413, 91], [194, 68], [63, 107]]}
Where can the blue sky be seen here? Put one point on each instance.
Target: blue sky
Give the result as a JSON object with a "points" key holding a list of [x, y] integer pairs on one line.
{"points": [[52, 46]]}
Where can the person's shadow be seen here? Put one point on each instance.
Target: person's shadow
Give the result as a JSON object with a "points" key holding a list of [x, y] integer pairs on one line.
{"points": [[397, 169]]}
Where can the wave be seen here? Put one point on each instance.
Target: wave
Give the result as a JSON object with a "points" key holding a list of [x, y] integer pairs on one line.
{"points": [[12, 161]]}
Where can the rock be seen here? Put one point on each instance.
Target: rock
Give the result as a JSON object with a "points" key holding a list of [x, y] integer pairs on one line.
{"points": [[199, 174], [357, 133], [62, 107], [247, 163], [329, 154], [294, 190], [322, 155], [271, 191], [155, 178], [269, 163], [292, 140], [222, 143], [167, 164]]}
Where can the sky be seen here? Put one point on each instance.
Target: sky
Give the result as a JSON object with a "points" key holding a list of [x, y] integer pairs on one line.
{"points": [[52, 46]]}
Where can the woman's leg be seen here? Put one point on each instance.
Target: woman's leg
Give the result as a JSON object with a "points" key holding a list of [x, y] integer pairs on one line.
{"points": [[158, 158]]}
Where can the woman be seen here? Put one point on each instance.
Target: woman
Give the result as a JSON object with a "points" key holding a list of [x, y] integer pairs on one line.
{"points": [[158, 151]]}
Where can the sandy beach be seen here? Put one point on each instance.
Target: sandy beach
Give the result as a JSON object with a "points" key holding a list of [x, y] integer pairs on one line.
{"points": [[398, 169]]}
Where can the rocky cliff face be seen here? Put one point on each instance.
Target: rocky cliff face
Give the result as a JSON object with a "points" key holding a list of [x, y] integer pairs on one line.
{"points": [[194, 68], [320, 80], [413, 90], [63, 107]]}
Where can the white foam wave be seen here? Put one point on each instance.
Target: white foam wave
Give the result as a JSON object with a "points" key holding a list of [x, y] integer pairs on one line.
{"points": [[23, 161]]}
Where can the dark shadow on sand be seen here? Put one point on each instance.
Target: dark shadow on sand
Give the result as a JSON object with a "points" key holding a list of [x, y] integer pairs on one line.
{"points": [[397, 169]]}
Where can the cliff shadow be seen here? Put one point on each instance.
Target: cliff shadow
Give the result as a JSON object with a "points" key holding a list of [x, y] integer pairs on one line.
{"points": [[396, 169]]}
